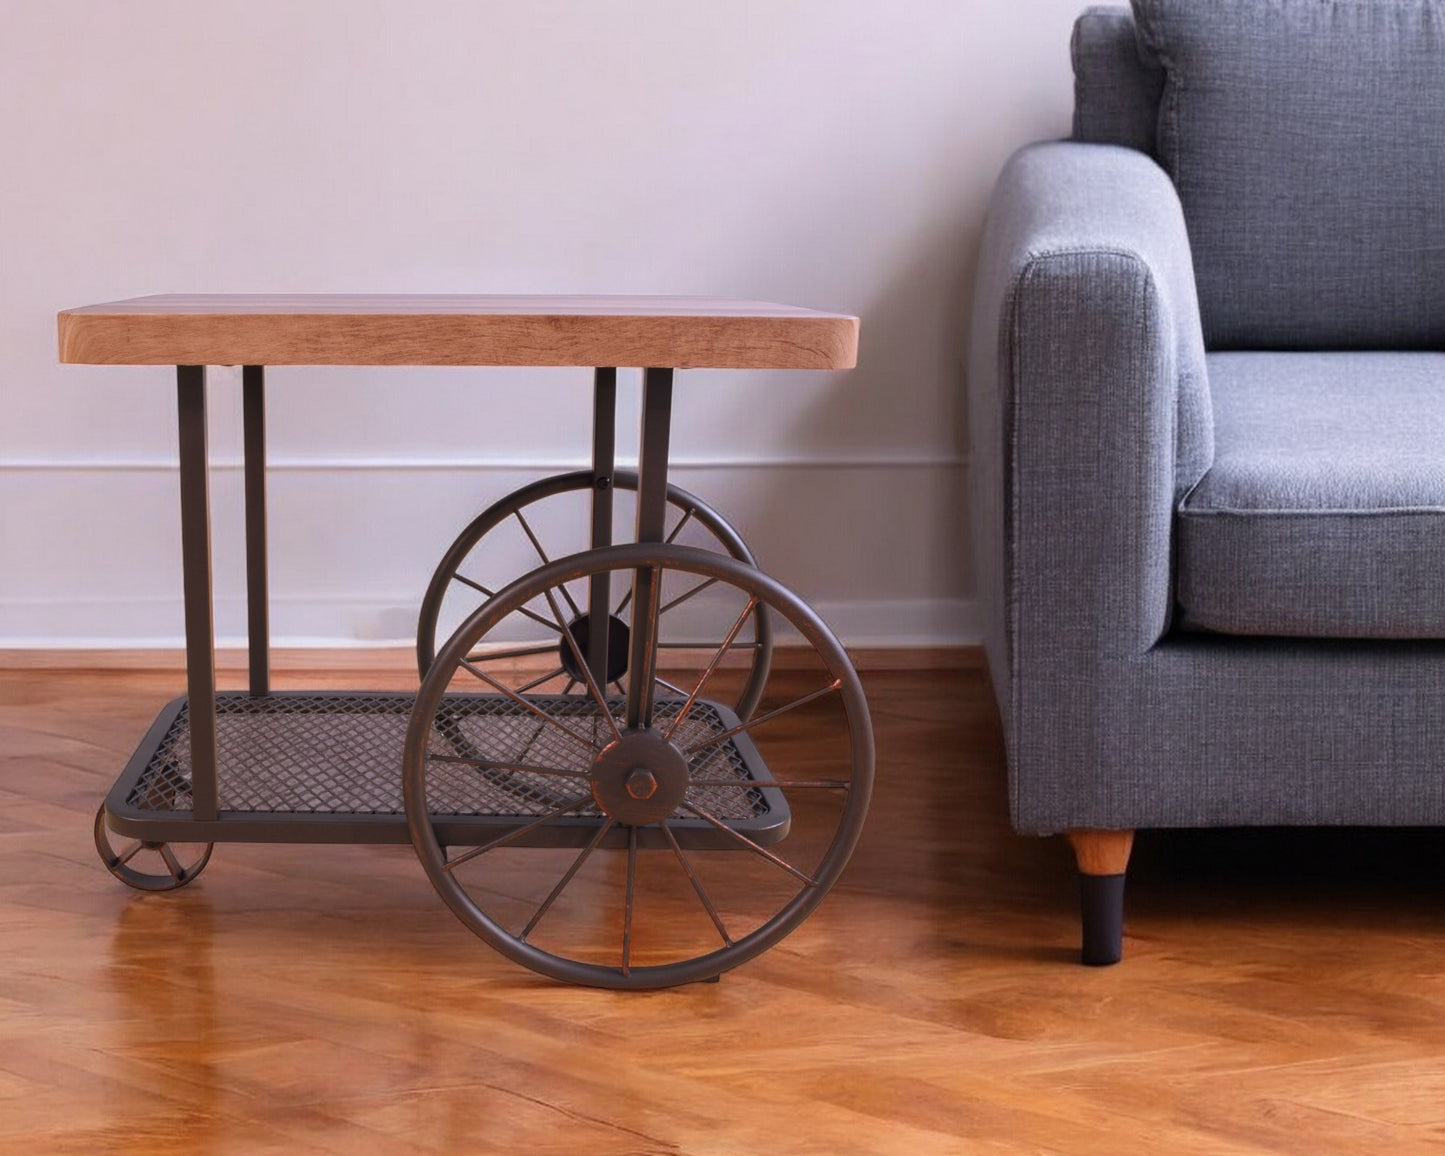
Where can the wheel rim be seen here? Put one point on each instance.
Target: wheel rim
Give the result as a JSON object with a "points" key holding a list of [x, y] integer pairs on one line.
{"points": [[678, 884], [176, 864], [462, 572]]}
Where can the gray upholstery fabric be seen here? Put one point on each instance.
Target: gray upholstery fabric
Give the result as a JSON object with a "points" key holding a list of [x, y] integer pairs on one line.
{"points": [[1116, 87], [1089, 413], [1324, 512], [1208, 731], [1307, 141], [1091, 418]]}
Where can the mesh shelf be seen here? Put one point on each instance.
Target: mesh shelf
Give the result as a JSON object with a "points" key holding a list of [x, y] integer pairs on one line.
{"points": [[326, 754]]}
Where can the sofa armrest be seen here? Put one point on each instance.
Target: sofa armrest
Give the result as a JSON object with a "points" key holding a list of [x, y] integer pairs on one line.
{"points": [[1089, 413]]}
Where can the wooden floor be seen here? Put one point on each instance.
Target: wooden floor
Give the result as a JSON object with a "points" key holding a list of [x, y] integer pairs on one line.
{"points": [[1281, 993]]}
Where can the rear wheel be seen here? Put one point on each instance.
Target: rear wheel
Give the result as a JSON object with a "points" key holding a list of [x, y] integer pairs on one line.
{"points": [[525, 527]]}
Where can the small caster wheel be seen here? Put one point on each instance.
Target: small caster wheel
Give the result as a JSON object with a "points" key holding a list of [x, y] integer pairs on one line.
{"points": [[118, 863], [653, 838]]}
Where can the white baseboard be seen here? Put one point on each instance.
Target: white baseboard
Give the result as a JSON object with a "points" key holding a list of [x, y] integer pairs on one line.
{"points": [[539, 465], [133, 623], [903, 622]]}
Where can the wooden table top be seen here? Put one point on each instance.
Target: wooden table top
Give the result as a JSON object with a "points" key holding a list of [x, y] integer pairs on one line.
{"points": [[414, 329]]}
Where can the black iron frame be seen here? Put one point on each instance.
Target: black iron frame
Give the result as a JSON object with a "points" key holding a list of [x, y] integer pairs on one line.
{"points": [[604, 453], [651, 529], [196, 578], [258, 620], [204, 822]]}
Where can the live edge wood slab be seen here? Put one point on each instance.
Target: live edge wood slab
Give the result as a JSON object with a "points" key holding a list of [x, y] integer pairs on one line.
{"points": [[412, 329]]}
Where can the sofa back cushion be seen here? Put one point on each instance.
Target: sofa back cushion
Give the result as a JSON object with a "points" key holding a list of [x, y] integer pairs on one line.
{"points": [[1306, 139], [1116, 85]]}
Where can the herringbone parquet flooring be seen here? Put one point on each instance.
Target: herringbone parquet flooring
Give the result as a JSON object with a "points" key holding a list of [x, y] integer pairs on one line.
{"points": [[1281, 992]]}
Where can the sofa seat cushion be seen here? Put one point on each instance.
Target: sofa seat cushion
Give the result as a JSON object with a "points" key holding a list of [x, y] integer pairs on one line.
{"points": [[1323, 514]]}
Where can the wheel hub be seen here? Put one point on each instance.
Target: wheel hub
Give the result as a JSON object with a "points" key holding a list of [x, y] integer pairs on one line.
{"points": [[618, 643], [639, 778]]}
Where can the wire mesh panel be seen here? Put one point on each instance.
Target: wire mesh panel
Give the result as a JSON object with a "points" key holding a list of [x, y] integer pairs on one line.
{"points": [[492, 728], [339, 753]]}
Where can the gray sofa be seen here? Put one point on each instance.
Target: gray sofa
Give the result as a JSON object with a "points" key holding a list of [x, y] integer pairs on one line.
{"points": [[1207, 408]]}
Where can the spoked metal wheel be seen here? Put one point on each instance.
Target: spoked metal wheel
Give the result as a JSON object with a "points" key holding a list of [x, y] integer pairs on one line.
{"points": [[148, 866], [545, 520], [651, 838]]}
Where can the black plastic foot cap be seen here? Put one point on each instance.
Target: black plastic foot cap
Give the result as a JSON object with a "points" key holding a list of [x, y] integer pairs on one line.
{"points": [[1102, 908]]}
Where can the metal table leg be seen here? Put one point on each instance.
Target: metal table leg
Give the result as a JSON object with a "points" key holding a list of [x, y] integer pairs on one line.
{"points": [[651, 525], [196, 567], [604, 446], [258, 627]]}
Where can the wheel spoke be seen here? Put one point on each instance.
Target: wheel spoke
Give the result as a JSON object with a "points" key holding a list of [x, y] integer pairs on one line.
{"points": [[129, 853], [746, 842], [515, 652], [631, 887], [671, 538], [586, 671], [173, 865], [662, 682], [696, 883], [522, 610], [542, 554], [712, 666], [621, 606], [566, 879], [531, 742], [681, 598], [521, 768], [571, 682], [502, 840], [531, 537], [536, 682], [536, 710], [772, 714], [703, 645], [681, 522]]}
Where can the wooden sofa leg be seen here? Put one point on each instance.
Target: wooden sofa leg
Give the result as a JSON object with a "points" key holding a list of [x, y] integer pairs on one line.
{"points": [[1103, 859]]}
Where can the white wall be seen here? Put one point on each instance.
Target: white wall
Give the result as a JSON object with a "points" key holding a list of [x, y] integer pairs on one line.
{"points": [[830, 153]]}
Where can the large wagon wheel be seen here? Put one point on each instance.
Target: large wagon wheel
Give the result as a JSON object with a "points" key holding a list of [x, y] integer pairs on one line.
{"points": [[470, 570], [637, 841]]}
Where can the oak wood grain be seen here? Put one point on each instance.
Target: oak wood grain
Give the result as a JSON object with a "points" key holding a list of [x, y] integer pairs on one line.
{"points": [[314, 329], [1276, 996], [1101, 852]]}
